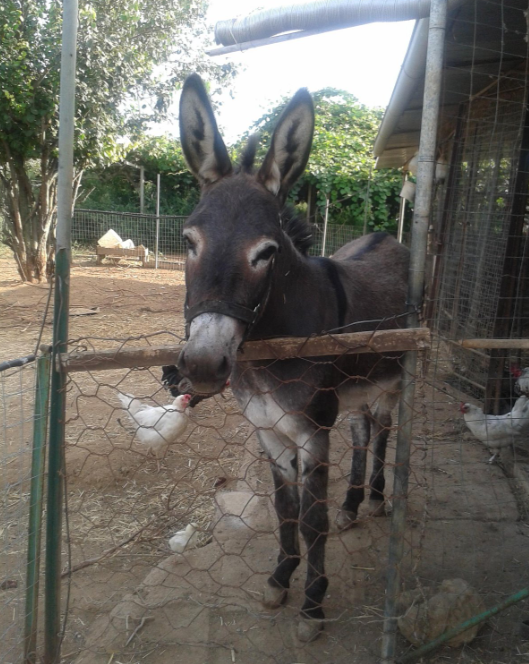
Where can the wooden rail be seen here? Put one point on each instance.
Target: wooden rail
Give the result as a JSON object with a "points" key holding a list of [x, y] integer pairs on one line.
{"points": [[508, 344], [382, 341]]}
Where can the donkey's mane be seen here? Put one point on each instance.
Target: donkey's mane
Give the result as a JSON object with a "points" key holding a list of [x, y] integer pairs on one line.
{"points": [[297, 229], [248, 155]]}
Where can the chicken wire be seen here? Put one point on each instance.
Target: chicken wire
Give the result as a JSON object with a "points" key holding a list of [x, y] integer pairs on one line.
{"points": [[17, 394], [129, 595]]}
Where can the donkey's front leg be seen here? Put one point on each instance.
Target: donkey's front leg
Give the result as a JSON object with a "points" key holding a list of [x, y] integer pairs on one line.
{"points": [[284, 462], [314, 526]]}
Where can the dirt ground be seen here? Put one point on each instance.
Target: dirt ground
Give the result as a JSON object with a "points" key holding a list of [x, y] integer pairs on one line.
{"points": [[130, 600]]}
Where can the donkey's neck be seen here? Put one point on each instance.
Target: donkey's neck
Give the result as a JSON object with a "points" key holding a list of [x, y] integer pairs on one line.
{"points": [[302, 299]]}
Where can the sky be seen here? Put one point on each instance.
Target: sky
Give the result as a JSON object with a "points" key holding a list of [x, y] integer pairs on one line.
{"points": [[363, 60]]}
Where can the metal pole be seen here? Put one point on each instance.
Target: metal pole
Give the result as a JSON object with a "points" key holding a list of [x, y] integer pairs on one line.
{"points": [[402, 210], [324, 241], [142, 189], [38, 463], [52, 602], [368, 200], [157, 222], [419, 242]]}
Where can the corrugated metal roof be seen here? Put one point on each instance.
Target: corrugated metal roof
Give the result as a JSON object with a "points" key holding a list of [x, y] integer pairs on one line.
{"points": [[484, 40]]}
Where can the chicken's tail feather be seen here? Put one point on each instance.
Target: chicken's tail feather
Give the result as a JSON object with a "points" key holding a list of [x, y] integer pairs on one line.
{"points": [[125, 399], [130, 403]]}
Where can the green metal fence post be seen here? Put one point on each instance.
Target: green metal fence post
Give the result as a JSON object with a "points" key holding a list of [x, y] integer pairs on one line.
{"points": [[52, 600], [56, 471], [38, 464]]}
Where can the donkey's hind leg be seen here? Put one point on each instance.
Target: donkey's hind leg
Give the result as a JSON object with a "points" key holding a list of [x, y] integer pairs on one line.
{"points": [[284, 463], [360, 422], [380, 426]]}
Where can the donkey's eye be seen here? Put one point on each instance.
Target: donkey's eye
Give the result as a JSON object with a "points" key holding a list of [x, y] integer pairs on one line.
{"points": [[265, 254], [191, 246]]}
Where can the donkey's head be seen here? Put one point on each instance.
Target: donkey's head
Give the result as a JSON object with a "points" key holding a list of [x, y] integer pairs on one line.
{"points": [[234, 234]]}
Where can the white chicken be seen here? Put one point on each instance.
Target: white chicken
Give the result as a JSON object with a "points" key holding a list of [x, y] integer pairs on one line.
{"points": [[184, 539], [521, 386], [497, 431], [157, 427]]}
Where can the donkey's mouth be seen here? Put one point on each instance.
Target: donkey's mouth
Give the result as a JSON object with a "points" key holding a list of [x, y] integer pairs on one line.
{"points": [[208, 357], [202, 389]]}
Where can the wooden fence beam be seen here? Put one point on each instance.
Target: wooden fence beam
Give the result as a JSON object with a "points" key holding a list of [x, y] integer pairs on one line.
{"points": [[508, 344], [381, 341]]}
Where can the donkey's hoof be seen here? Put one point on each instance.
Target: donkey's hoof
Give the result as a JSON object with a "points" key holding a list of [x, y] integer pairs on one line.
{"points": [[346, 519], [309, 630], [379, 508], [274, 597]]}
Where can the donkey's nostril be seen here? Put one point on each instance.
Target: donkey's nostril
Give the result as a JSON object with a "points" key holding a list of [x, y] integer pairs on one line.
{"points": [[223, 368]]}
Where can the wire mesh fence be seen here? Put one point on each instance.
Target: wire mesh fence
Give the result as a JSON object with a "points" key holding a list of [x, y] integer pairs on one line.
{"points": [[480, 280], [89, 225], [17, 398]]}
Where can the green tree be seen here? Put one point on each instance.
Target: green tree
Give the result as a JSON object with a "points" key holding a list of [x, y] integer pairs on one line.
{"points": [[132, 55], [116, 187], [341, 165]]}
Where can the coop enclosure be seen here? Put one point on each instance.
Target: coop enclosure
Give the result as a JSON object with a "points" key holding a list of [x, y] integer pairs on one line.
{"points": [[477, 272]]}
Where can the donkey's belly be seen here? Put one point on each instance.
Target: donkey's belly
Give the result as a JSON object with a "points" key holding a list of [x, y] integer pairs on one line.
{"points": [[281, 409], [265, 412], [383, 393]]}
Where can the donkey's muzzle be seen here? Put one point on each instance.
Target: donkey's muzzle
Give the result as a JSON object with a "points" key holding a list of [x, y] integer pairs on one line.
{"points": [[208, 357], [206, 372]]}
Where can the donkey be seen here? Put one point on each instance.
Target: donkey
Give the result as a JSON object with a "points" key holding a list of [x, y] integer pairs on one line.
{"points": [[248, 276]]}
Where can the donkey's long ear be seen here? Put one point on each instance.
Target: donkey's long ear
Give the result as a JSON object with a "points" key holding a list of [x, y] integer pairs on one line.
{"points": [[290, 149], [202, 144]]}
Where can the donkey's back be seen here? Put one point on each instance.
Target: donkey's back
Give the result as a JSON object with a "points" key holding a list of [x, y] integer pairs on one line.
{"points": [[374, 272]]}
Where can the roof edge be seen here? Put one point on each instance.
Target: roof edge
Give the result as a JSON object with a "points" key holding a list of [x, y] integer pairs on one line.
{"points": [[411, 72]]}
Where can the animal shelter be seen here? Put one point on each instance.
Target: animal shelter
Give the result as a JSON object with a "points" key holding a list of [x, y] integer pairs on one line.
{"points": [[157, 532], [477, 269]]}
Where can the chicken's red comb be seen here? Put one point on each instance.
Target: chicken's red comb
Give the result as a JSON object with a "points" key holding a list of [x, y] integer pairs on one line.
{"points": [[462, 406], [515, 371]]}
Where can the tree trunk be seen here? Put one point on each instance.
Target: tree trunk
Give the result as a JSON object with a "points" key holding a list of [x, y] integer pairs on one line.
{"points": [[30, 215], [31, 250]]}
